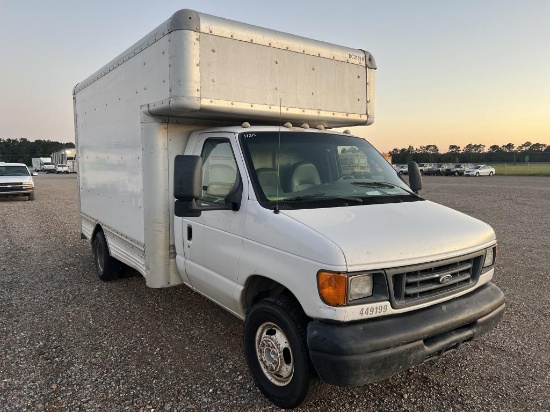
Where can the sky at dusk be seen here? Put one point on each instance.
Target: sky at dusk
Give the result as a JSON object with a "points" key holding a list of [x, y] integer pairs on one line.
{"points": [[449, 72]]}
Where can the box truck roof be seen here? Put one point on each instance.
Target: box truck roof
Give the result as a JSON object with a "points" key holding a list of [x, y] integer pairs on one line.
{"points": [[205, 67]]}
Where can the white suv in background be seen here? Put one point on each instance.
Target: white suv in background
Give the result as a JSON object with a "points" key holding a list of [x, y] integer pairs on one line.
{"points": [[48, 168], [62, 168], [16, 180]]}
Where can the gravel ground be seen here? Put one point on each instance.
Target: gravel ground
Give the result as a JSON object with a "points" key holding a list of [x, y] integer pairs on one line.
{"points": [[70, 342]]}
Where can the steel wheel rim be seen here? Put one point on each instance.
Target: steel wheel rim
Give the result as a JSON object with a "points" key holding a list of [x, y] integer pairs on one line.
{"points": [[274, 354]]}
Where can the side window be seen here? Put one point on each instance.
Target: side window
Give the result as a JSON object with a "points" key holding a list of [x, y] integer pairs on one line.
{"points": [[219, 170]]}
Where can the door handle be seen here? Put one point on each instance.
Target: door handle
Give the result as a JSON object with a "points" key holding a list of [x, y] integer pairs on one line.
{"points": [[189, 233]]}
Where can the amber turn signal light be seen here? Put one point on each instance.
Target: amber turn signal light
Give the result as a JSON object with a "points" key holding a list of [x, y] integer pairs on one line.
{"points": [[333, 287]]}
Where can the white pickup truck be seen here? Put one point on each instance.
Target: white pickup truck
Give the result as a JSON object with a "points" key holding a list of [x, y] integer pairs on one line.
{"points": [[205, 158]]}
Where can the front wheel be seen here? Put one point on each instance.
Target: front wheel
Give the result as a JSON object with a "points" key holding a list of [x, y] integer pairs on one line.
{"points": [[275, 348], [490, 173], [477, 174]]}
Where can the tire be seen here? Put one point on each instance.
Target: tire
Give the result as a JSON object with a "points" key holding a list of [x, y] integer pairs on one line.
{"points": [[477, 174], [456, 173], [30, 196], [106, 266], [490, 173], [275, 347]]}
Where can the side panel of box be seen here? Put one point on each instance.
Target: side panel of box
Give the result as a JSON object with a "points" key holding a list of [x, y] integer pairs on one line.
{"points": [[108, 128]]}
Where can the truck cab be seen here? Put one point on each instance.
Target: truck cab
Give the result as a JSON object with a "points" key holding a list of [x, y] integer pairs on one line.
{"points": [[292, 225]]}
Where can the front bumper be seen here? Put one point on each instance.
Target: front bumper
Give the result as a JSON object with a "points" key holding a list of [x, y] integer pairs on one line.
{"points": [[18, 192], [363, 352]]}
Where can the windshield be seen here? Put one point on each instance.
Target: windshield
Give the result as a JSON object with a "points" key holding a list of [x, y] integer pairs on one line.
{"points": [[14, 171], [317, 167]]}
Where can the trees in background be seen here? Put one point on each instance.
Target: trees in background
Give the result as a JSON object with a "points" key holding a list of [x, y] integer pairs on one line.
{"points": [[474, 153], [23, 150]]}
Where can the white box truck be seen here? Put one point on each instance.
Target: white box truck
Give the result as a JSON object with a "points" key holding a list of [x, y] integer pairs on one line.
{"points": [[191, 172], [38, 163]]}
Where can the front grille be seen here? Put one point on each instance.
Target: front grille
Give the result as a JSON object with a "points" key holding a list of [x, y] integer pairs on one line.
{"points": [[11, 187], [413, 285]]}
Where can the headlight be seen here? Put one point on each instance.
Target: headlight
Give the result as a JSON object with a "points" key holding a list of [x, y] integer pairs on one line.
{"points": [[490, 257], [337, 288], [360, 287]]}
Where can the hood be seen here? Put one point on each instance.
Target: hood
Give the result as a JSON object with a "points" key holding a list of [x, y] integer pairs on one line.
{"points": [[397, 234], [15, 179]]}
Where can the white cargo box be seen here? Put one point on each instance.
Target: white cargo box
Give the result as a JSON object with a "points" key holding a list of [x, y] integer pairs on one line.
{"points": [[204, 67], [134, 115]]}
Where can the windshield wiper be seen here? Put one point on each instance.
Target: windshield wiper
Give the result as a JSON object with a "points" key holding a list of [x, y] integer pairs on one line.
{"points": [[322, 196], [376, 184], [305, 197], [385, 185]]}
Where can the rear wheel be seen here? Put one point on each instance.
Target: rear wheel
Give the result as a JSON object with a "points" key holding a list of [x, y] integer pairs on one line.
{"points": [[276, 350], [477, 174], [106, 266]]}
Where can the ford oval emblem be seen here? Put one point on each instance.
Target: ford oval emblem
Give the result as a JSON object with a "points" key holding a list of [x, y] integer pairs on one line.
{"points": [[445, 278]]}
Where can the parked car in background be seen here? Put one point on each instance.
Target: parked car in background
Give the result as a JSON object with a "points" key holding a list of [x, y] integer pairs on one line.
{"points": [[16, 180], [402, 170], [62, 168], [424, 166], [48, 167], [457, 169], [480, 170], [436, 169]]}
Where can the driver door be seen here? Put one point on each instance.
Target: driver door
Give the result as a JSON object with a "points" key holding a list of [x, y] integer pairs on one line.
{"points": [[213, 241]]}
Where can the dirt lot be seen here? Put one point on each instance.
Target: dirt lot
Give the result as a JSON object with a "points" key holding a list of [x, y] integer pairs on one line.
{"points": [[70, 342]]}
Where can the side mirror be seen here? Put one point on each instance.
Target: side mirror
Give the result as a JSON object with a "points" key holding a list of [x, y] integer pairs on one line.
{"points": [[188, 189], [187, 177], [415, 178]]}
